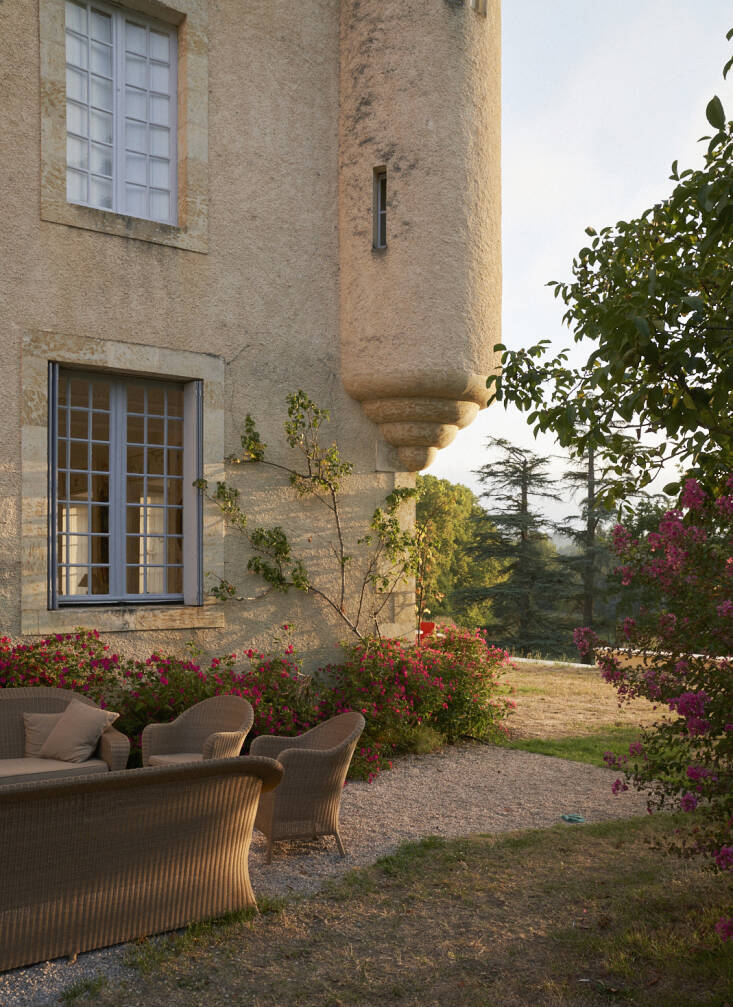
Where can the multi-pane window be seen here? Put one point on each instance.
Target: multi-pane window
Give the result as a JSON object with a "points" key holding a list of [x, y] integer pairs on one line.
{"points": [[118, 489], [380, 207], [120, 111]]}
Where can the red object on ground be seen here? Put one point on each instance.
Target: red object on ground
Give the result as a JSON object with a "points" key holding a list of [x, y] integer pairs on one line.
{"points": [[426, 628]]}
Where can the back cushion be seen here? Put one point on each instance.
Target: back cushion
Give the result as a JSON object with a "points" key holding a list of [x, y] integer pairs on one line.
{"points": [[38, 726]]}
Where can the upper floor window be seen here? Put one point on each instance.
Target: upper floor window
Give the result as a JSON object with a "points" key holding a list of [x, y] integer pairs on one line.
{"points": [[380, 208], [123, 457], [120, 112]]}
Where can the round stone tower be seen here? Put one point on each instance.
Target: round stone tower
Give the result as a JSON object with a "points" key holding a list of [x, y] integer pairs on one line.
{"points": [[420, 104]]}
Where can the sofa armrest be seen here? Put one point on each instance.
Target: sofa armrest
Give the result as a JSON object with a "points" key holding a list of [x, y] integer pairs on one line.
{"points": [[114, 748], [224, 744]]}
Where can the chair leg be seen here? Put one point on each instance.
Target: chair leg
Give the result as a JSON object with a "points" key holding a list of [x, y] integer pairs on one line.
{"points": [[340, 845]]}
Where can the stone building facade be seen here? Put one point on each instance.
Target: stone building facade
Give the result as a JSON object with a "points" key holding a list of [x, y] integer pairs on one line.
{"points": [[207, 204]]}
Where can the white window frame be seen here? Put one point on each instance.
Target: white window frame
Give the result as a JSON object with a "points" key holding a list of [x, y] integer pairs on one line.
{"points": [[119, 18], [192, 514]]}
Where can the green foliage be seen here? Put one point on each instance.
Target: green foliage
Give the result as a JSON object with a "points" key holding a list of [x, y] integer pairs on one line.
{"points": [[449, 521], [654, 296], [527, 600], [366, 576]]}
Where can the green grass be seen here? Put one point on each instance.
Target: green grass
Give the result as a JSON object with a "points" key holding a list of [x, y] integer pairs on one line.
{"points": [[87, 988], [582, 748]]}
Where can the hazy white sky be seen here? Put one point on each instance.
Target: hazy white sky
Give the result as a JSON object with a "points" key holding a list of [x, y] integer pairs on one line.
{"points": [[598, 100]]}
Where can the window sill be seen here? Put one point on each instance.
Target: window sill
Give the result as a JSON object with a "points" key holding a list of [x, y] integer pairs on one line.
{"points": [[58, 211], [123, 619]]}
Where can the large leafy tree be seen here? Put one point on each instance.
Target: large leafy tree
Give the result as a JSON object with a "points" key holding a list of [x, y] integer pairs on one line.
{"points": [[451, 519], [526, 601], [654, 298]]}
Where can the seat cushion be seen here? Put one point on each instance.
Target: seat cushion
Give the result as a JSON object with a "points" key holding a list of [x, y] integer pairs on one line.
{"points": [[77, 732], [175, 758], [30, 770]]}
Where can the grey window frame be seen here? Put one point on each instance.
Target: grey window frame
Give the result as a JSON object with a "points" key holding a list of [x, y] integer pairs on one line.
{"points": [[192, 500], [379, 238]]}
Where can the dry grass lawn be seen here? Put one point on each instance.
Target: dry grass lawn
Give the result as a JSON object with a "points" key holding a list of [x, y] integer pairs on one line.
{"points": [[557, 701]]}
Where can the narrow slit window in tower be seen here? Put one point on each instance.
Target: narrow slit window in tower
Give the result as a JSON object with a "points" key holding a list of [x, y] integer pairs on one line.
{"points": [[380, 207]]}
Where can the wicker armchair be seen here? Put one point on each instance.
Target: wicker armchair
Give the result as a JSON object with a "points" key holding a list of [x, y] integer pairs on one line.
{"points": [[212, 729], [308, 800]]}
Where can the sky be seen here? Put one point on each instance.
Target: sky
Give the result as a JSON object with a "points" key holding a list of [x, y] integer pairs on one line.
{"points": [[598, 100]]}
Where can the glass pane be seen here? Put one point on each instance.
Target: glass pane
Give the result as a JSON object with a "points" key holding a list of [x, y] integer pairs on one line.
{"points": [[132, 549], [135, 459], [160, 204], [78, 455], [155, 550], [101, 26], [136, 166], [134, 580], [136, 71], [101, 126], [79, 423], [76, 119], [78, 581], [101, 93], [100, 489], [77, 548], [135, 136], [155, 580], [62, 391], [175, 462], [134, 523], [175, 580], [155, 460], [100, 426], [135, 489], [136, 200], [159, 46], [79, 393], [159, 110], [136, 104], [159, 173], [76, 84], [135, 38], [101, 159], [175, 402], [62, 454], [62, 578], [100, 549], [100, 518], [159, 78], [78, 486], [156, 430], [100, 59], [76, 17], [156, 489], [135, 399], [61, 485], [76, 51], [174, 521], [100, 457], [100, 395], [136, 429], [156, 401], [76, 153], [160, 141], [175, 550], [175, 432], [100, 192], [175, 492], [100, 580]]}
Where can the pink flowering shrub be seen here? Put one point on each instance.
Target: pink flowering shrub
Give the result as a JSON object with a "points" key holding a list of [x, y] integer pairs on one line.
{"points": [[680, 656], [415, 697]]}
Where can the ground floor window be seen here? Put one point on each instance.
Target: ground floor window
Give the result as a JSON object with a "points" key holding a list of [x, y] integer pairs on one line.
{"points": [[124, 522]]}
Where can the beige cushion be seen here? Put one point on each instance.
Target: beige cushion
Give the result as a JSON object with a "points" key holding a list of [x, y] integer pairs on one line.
{"points": [[77, 732], [38, 726], [32, 770], [175, 758]]}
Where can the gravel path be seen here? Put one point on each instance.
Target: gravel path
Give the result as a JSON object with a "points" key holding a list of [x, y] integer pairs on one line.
{"points": [[455, 792]]}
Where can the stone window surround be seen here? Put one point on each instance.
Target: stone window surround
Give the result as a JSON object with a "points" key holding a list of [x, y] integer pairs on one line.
{"points": [[40, 348], [191, 233]]}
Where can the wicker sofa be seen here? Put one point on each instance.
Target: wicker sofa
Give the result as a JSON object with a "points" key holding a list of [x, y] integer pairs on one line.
{"points": [[93, 861], [15, 767]]}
